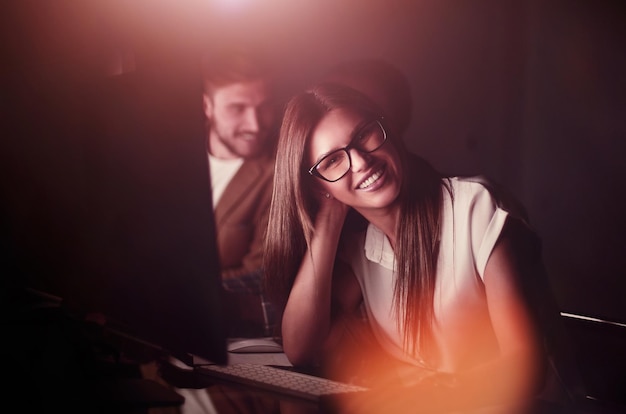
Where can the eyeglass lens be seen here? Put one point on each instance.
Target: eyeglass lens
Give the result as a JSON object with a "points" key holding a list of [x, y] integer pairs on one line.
{"points": [[334, 165]]}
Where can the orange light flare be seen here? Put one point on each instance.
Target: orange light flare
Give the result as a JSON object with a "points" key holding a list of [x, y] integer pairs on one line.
{"points": [[504, 384]]}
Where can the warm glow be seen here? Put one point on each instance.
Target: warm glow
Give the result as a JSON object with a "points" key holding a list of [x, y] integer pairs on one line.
{"points": [[398, 387], [232, 6]]}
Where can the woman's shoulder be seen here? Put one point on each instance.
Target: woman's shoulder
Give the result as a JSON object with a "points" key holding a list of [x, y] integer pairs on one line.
{"points": [[467, 200], [481, 190], [468, 189]]}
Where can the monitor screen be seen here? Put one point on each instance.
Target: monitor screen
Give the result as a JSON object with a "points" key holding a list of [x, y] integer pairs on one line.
{"points": [[121, 219]]}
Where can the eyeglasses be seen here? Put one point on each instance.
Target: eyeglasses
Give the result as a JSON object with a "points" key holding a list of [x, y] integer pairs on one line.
{"points": [[335, 165]]}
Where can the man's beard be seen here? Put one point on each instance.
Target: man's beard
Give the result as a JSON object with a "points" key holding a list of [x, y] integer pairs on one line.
{"points": [[231, 144]]}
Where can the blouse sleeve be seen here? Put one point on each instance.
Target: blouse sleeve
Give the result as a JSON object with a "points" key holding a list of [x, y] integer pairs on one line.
{"points": [[485, 219]]}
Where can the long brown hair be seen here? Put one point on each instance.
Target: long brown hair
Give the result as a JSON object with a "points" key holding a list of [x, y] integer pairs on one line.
{"points": [[293, 210]]}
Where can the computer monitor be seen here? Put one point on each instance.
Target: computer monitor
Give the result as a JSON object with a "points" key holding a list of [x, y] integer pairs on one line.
{"points": [[125, 227]]}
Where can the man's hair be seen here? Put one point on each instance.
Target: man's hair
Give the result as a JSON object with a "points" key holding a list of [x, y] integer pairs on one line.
{"points": [[233, 64]]}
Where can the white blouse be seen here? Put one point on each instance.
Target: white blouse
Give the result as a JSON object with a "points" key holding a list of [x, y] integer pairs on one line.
{"points": [[471, 225]]}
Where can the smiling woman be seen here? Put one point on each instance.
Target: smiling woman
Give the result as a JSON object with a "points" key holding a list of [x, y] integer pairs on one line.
{"points": [[433, 265]]}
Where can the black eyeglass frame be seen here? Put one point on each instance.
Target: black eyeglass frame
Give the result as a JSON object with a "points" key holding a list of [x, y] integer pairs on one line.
{"points": [[313, 170]]}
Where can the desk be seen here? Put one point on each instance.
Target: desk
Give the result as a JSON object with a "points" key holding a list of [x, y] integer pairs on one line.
{"points": [[50, 370], [205, 394], [56, 363]]}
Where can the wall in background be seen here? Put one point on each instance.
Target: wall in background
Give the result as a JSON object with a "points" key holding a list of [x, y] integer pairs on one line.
{"points": [[574, 146]]}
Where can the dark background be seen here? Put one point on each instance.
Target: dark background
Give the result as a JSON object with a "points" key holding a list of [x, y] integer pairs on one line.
{"points": [[530, 93]]}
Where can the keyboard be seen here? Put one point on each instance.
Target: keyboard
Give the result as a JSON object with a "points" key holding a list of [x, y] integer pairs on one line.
{"points": [[279, 380]]}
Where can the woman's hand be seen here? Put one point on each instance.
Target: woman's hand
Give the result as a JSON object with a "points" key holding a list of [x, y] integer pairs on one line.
{"points": [[331, 211], [391, 395], [438, 393]]}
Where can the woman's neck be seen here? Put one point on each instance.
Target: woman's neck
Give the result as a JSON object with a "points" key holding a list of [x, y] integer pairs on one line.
{"points": [[384, 219]]}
